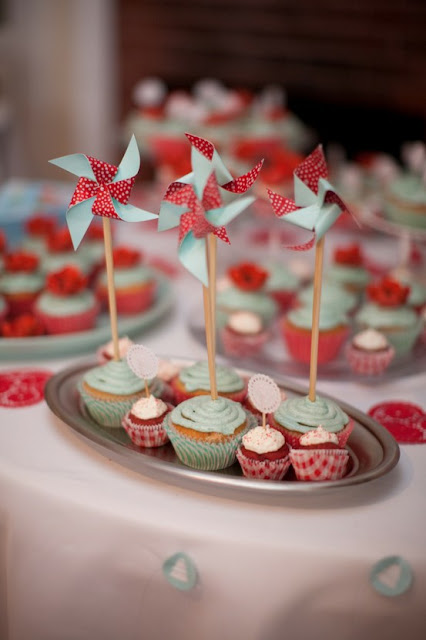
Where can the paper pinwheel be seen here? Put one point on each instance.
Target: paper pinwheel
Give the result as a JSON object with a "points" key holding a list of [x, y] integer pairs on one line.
{"points": [[102, 190], [316, 206], [195, 204]]}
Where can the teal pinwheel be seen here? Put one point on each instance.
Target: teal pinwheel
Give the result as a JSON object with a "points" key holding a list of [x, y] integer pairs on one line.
{"points": [[102, 190], [199, 204], [316, 206]]}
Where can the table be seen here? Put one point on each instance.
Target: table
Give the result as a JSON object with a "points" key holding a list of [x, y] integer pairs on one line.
{"points": [[83, 540]]}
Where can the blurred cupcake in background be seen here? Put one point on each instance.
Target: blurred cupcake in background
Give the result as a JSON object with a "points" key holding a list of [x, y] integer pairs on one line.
{"points": [[38, 229], [332, 295], [195, 381], [369, 353], [26, 325], [21, 282], [244, 334], [106, 351], [61, 253], [281, 284], [348, 269]]}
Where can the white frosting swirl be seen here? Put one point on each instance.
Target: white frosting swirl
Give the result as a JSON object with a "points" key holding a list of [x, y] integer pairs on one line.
{"points": [[148, 408], [370, 340], [245, 322], [318, 436], [124, 345], [263, 440]]}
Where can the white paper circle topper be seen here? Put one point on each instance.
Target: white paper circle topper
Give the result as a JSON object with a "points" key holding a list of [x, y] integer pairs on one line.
{"points": [[142, 361], [264, 393]]}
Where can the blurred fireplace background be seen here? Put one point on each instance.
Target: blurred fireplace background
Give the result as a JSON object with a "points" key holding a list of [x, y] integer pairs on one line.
{"points": [[354, 71]]}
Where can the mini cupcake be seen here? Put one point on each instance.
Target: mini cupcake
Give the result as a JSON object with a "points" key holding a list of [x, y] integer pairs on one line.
{"points": [[144, 422], [387, 311], [296, 329], [282, 285], [206, 433], [297, 416], [135, 284], [263, 454], [243, 335], [21, 281], [106, 351], [195, 381], [245, 293], [332, 295], [318, 457], [24, 326], [405, 201], [109, 391], [67, 306], [38, 229], [348, 269], [61, 253], [369, 353]]}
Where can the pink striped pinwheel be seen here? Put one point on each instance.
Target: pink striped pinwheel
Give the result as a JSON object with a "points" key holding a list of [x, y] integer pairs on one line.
{"points": [[102, 190], [200, 204], [316, 205]]}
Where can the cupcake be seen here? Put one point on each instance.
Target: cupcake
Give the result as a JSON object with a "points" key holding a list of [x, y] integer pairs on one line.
{"points": [[206, 433], [281, 284], [135, 284], [21, 282], [38, 229], [25, 325], [405, 201], [264, 454], [296, 416], [195, 381], [369, 353], [245, 293], [318, 457], [296, 329], [109, 391], [106, 351], [332, 294], [61, 253], [417, 294], [144, 422], [243, 335], [387, 311], [4, 308], [348, 269], [66, 305]]}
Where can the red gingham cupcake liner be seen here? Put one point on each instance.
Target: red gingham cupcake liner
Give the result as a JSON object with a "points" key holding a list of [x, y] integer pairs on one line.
{"points": [[318, 465], [263, 469], [242, 345], [148, 436], [181, 396], [68, 324], [299, 343], [292, 438], [368, 363]]}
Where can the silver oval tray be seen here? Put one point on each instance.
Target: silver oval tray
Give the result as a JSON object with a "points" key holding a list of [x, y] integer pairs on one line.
{"points": [[373, 451]]}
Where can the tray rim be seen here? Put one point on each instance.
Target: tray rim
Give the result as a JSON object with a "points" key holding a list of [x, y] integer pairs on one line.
{"points": [[212, 482]]}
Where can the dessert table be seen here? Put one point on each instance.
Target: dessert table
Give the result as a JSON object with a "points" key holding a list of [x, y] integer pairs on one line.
{"points": [[84, 541]]}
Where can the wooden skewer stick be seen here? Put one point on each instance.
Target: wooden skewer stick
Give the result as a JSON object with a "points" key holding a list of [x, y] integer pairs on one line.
{"points": [[112, 303], [319, 253], [147, 393], [264, 420], [207, 320], [212, 252]]}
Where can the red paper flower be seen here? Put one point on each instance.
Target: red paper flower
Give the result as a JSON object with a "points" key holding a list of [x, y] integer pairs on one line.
{"points": [[60, 241], [22, 326], [388, 292], [125, 257], [41, 225], [2, 241], [21, 261], [66, 281], [248, 276], [95, 232], [350, 255]]}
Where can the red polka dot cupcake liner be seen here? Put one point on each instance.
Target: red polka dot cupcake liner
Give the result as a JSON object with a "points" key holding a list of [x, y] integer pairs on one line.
{"points": [[263, 469], [319, 465], [242, 346]]}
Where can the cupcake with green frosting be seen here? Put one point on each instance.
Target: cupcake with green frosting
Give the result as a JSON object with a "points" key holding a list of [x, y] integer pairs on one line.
{"points": [[206, 433], [296, 328], [281, 284], [332, 295], [348, 269], [387, 311], [298, 416], [110, 390], [405, 201], [195, 381], [21, 282]]}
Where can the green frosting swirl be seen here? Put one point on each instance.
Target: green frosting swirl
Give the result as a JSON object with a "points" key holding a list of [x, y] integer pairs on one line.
{"points": [[57, 261], [332, 294], [201, 413], [232, 299], [19, 282], [409, 187], [114, 377], [329, 317], [65, 305], [129, 277], [348, 275], [280, 278], [197, 377], [302, 415], [372, 315]]}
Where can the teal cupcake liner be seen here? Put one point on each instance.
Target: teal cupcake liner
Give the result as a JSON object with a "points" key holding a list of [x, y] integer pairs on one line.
{"points": [[107, 413], [206, 456]]}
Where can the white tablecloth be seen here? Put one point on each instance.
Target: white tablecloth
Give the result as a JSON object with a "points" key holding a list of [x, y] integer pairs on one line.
{"points": [[83, 540]]}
